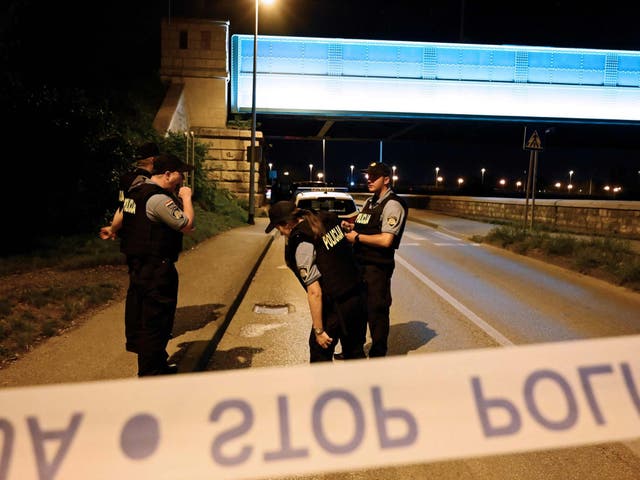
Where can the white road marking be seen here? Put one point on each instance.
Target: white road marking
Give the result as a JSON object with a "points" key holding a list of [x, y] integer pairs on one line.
{"points": [[258, 329], [484, 326], [413, 236]]}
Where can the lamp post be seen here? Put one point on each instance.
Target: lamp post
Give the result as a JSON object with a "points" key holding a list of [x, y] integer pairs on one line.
{"points": [[569, 185], [394, 178], [252, 166], [482, 170], [351, 175], [437, 170], [310, 171]]}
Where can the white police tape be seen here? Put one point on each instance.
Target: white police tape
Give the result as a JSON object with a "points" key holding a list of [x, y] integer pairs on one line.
{"points": [[351, 415]]}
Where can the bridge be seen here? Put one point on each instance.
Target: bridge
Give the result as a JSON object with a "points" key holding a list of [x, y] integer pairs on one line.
{"points": [[366, 78], [337, 79]]}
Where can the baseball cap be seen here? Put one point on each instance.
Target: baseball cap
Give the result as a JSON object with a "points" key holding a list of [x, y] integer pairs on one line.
{"points": [[280, 212], [147, 150], [169, 163], [377, 169]]}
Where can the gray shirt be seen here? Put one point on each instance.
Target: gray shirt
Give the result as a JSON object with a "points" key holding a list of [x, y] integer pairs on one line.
{"points": [[162, 208], [306, 263], [392, 214]]}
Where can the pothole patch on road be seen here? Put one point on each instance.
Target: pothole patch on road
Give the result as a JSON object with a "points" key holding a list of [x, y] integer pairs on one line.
{"points": [[272, 309]]}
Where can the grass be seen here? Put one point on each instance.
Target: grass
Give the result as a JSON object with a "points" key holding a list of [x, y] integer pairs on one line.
{"points": [[47, 292], [608, 258]]}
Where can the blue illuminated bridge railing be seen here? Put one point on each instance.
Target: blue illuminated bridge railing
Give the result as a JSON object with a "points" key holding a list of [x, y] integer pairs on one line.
{"points": [[366, 78]]}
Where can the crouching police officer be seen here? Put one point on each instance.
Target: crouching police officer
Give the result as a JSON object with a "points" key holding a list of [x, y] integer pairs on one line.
{"points": [[154, 220], [321, 258]]}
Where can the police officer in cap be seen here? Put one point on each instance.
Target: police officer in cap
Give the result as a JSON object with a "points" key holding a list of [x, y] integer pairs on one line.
{"points": [[155, 218], [145, 156], [322, 260], [375, 236]]}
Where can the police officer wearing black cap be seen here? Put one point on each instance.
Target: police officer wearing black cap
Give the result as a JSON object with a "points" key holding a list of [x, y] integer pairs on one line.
{"points": [[155, 218], [375, 236], [322, 260], [145, 155]]}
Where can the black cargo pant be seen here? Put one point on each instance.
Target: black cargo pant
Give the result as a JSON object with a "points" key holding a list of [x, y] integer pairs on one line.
{"points": [[150, 311], [344, 319], [377, 279]]}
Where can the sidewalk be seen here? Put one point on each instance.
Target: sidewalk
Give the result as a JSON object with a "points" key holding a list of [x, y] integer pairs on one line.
{"points": [[214, 277]]}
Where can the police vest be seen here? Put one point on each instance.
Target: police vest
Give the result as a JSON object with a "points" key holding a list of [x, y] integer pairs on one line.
{"points": [[142, 237], [369, 222], [127, 179], [334, 257]]}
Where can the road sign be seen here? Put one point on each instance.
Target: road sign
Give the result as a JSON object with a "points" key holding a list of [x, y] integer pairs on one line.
{"points": [[534, 142]]}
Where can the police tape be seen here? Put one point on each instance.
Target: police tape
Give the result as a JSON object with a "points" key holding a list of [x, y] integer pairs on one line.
{"points": [[269, 422]]}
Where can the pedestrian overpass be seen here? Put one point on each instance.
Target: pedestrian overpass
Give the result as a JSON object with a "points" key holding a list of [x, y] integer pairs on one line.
{"points": [[332, 77]]}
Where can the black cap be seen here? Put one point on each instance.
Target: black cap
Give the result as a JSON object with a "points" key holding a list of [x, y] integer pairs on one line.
{"points": [[147, 150], [377, 169], [169, 163], [280, 212]]}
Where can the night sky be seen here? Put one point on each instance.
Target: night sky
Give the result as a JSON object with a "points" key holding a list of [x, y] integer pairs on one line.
{"points": [[600, 153], [101, 43]]}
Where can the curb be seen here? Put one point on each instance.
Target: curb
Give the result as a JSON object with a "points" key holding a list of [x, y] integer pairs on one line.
{"points": [[199, 354]]}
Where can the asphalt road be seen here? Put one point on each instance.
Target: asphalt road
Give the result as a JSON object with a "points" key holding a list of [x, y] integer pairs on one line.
{"points": [[452, 294]]}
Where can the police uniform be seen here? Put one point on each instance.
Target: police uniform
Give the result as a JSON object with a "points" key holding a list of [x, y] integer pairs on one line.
{"points": [[151, 240], [387, 214], [329, 260]]}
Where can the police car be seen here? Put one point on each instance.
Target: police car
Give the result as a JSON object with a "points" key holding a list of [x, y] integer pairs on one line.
{"points": [[332, 199]]}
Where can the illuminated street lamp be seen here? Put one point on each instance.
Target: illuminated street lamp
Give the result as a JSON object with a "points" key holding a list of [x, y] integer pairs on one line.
{"points": [[569, 186], [393, 177], [351, 175], [320, 176], [502, 182], [437, 170], [438, 180], [252, 166], [518, 185], [482, 170], [310, 171], [270, 165]]}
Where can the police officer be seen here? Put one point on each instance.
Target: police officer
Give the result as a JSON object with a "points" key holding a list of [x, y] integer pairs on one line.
{"points": [[322, 260], [154, 220], [145, 155], [375, 236]]}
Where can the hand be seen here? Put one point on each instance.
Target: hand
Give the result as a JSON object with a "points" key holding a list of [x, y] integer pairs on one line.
{"points": [[184, 193], [351, 236], [324, 340], [346, 225], [106, 233]]}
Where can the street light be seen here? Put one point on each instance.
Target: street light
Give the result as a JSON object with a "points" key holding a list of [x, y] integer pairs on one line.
{"points": [[437, 170], [351, 175], [252, 166], [482, 170], [394, 178], [310, 171], [569, 186]]}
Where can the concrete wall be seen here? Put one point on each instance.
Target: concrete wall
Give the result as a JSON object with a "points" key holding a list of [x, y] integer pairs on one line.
{"points": [[194, 62], [226, 162], [605, 217]]}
